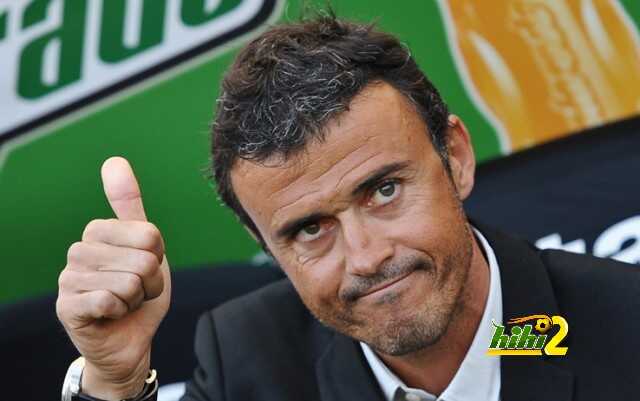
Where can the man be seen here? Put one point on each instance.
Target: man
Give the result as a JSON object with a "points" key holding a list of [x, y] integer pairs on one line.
{"points": [[341, 159]]}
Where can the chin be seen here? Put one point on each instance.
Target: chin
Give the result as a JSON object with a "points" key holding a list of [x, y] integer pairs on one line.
{"points": [[402, 337]]}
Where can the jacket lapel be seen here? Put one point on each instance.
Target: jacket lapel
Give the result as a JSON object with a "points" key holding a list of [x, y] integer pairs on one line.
{"points": [[343, 374], [527, 290]]}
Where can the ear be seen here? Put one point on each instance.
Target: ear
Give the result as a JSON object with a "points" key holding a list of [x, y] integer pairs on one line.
{"points": [[461, 157]]}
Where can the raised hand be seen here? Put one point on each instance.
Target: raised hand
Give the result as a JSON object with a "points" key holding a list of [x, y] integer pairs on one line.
{"points": [[115, 290]]}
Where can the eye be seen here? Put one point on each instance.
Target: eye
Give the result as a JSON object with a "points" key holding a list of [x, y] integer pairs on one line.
{"points": [[310, 232], [385, 194]]}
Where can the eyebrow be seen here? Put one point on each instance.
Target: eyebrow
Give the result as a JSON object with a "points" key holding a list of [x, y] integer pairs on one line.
{"points": [[376, 176], [295, 225]]}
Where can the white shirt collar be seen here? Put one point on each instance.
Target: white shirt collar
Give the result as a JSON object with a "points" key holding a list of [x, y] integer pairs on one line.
{"points": [[478, 377]]}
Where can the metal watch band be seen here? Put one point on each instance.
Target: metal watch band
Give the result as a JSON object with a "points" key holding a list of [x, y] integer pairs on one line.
{"points": [[71, 387], [71, 384], [150, 393]]}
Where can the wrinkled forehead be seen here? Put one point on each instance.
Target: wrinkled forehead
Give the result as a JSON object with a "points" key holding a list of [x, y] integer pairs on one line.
{"points": [[381, 126]]}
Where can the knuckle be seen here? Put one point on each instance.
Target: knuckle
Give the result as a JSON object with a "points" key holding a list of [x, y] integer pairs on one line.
{"points": [[63, 280], [61, 309], [148, 264], [132, 285], [104, 303], [93, 228], [75, 252], [151, 236]]}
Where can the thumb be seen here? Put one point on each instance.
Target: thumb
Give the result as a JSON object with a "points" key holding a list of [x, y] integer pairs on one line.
{"points": [[122, 190]]}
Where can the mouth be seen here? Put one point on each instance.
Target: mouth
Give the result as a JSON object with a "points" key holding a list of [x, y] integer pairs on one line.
{"points": [[387, 285]]}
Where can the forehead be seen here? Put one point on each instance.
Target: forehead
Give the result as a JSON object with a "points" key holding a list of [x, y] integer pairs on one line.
{"points": [[380, 127]]}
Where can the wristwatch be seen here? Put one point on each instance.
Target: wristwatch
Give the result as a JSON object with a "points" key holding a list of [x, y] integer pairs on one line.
{"points": [[72, 391]]}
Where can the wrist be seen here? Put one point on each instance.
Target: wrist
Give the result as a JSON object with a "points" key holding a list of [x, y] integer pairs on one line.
{"points": [[96, 384]]}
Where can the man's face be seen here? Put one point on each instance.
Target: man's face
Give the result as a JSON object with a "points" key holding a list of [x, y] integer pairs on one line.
{"points": [[368, 224]]}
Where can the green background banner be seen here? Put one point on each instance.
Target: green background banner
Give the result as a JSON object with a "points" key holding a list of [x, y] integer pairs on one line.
{"points": [[50, 175]]}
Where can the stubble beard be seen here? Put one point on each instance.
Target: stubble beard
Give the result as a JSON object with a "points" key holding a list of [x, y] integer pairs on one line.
{"points": [[397, 335], [430, 322]]}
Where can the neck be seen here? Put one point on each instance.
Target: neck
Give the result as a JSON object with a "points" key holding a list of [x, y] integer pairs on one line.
{"points": [[433, 368]]}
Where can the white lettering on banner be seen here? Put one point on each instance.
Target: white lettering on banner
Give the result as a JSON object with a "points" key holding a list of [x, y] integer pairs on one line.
{"points": [[554, 241], [57, 56], [621, 241]]}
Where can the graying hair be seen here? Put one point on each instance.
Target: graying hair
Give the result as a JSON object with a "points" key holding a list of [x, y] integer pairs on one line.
{"points": [[285, 86]]}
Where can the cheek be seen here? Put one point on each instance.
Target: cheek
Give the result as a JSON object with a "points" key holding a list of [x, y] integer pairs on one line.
{"points": [[317, 282], [431, 222]]}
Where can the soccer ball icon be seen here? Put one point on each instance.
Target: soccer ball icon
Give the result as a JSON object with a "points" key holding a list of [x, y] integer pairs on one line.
{"points": [[543, 325]]}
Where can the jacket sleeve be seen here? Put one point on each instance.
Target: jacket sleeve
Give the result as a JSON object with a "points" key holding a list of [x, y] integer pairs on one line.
{"points": [[207, 382]]}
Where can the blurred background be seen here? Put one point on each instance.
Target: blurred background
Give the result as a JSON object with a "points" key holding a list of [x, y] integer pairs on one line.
{"points": [[549, 89]]}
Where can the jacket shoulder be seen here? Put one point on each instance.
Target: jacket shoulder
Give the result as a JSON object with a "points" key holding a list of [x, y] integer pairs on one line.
{"points": [[588, 275], [272, 316], [599, 299], [264, 339]]}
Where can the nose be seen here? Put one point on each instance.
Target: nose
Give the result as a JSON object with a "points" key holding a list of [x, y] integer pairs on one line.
{"points": [[365, 246]]}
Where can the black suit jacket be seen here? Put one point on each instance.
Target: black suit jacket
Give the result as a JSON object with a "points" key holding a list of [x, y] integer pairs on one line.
{"points": [[267, 346]]}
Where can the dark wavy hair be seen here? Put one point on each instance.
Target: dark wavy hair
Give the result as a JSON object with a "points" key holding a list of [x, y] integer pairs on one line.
{"points": [[286, 84]]}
